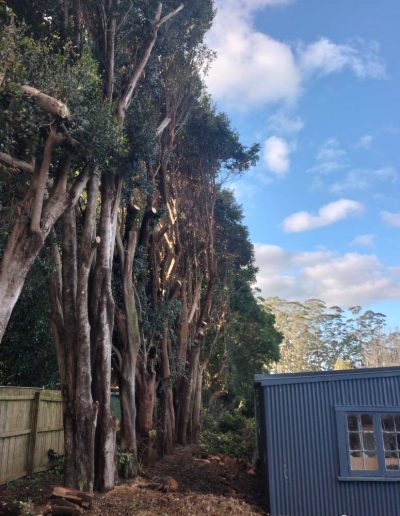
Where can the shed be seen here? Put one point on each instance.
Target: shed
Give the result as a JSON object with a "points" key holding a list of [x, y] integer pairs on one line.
{"points": [[329, 442]]}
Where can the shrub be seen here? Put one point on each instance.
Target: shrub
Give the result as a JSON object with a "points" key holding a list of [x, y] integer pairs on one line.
{"points": [[231, 434]]}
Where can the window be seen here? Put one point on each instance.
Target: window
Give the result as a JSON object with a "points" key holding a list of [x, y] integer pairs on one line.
{"points": [[369, 443], [391, 441], [362, 444]]}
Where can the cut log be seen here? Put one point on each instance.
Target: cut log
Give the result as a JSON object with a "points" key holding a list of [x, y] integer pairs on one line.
{"points": [[73, 495], [63, 509]]}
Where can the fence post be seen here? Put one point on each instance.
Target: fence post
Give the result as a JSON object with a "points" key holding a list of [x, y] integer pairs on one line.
{"points": [[34, 432]]}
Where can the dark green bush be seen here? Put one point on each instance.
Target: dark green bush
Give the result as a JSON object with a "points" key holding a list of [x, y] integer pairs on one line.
{"points": [[230, 434]]}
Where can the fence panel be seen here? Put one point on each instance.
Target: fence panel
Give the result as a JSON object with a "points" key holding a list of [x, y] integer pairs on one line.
{"points": [[30, 424]]}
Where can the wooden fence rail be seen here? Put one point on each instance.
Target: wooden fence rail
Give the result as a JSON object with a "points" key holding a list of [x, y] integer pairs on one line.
{"points": [[31, 423]]}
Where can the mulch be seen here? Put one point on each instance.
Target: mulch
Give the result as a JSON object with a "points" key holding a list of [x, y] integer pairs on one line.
{"points": [[213, 485]]}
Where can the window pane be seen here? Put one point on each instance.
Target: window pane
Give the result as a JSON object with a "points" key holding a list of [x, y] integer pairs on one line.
{"points": [[392, 461], [397, 419], [369, 441], [371, 461], [398, 441], [367, 423], [356, 461], [388, 424], [352, 422], [354, 441], [389, 441]]}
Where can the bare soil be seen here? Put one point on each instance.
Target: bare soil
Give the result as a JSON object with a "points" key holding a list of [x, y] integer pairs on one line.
{"points": [[214, 485]]}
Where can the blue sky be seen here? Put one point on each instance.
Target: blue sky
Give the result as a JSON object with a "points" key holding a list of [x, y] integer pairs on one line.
{"points": [[317, 84]]}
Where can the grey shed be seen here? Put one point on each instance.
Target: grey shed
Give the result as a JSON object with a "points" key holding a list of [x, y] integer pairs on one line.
{"points": [[329, 442]]}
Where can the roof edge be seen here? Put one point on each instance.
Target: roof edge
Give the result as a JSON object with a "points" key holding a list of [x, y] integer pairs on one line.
{"points": [[321, 376]]}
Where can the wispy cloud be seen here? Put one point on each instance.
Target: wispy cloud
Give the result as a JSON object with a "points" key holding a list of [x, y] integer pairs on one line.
{"points": [[364, 142], [391, 218], [325, 57], [329, 157], [277, 155], [284, 123], [339, 279], [254, 69], [363, 241], [326, 216], [364, 179]]}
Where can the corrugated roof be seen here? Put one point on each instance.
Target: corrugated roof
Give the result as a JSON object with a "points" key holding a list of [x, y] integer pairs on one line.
{"points": [[321, 376]]}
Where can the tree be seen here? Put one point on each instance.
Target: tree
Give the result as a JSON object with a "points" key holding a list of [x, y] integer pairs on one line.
{"points": [[317, 337]]}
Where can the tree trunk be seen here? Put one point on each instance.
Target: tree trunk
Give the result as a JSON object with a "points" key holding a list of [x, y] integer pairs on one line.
{"points": [[72, 334], [146, 390], [196, 423], [102, 318], [23, 248], [187, 397], [168, 414], [23, 245]]}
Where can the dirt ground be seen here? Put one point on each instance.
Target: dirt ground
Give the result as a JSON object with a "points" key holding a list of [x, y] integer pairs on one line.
{"points": [[214, 485]]}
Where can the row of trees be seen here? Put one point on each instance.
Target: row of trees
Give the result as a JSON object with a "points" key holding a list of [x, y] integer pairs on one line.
{"points": [[317, 337], [113, 159]]}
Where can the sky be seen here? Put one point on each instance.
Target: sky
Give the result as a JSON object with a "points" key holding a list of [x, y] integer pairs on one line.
{"points": [[316, 84]]}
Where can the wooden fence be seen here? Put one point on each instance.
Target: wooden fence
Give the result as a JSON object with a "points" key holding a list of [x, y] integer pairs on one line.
{"points": [[31, 423]]}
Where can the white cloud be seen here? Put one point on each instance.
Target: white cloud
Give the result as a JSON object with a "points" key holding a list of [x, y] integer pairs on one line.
{"points": [[363, 179], [345, 280], [325, 57], [277, 155], [364, 142], [327, 215], [363, 241], [330, 157], [281, 122], [391, 218], [253, 69]]}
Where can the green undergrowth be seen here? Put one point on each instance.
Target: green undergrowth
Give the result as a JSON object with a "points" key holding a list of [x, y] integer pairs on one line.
{"points": [[230, 433]]}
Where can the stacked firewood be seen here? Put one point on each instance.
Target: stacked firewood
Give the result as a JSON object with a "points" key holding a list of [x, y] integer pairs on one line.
{"points": [[66, 501]]}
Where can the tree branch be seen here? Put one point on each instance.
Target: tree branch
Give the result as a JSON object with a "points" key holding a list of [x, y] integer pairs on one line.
{"points": [[137, 73], [164, 124], [45, 102], [52, 140], [16, 163]]}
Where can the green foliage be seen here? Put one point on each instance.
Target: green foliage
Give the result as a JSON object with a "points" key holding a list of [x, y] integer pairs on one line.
{"points": [[66, 75], [248, 341], [56, 462], [318, 337], [209, 141], [231, 434], [27, 351], [128, 466]]}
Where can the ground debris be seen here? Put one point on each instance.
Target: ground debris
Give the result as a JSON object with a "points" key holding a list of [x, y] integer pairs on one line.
{"points": [[205, 485], [214, 486]]}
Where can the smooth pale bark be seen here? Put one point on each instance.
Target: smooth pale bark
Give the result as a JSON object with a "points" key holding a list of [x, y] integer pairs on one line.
{"points": [[23, 246], [16, 163], [45, 102], [186, 394], [146, 390], [125, 368], [136, 75], [102, 323], [167, 442], [196, 416], [70, 323]]}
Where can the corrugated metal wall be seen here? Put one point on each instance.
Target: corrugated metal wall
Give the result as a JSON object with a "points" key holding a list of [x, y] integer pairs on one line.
{"points": [[302, 448]]}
